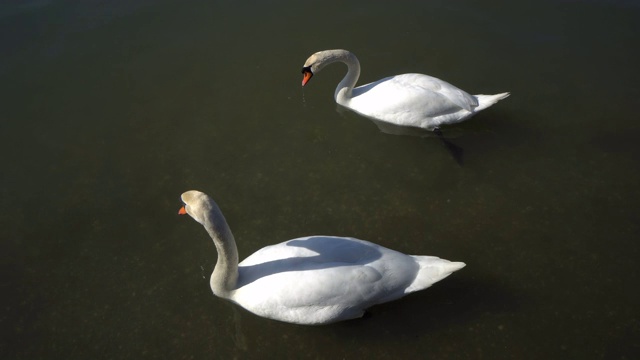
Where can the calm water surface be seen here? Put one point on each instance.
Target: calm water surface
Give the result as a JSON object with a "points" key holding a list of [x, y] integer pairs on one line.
{"points": [[110, 110]]}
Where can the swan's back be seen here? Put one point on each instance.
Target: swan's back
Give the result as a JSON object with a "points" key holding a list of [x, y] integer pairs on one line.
{"points": [[323, 279], [413, 100], [418, 87]]}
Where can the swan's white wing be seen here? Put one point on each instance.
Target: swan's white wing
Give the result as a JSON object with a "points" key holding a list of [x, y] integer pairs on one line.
{"points": [[326, 295], [322, 279], [429, 83], [410, 99], [418, 88]]}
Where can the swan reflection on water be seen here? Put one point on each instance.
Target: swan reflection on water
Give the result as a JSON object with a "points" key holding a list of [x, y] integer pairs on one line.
{"points": [[456, 151]]}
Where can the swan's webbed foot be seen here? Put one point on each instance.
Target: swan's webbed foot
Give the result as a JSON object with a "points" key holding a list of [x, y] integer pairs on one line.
{"points": [[455, 150]]}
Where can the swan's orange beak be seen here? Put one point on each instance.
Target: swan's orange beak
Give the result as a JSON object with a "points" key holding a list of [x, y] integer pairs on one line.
{"points": [[182, 211], [306, 76]]}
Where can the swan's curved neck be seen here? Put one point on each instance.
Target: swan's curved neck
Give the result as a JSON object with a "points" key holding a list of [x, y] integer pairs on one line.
{"points": [[225, 275], [345, 88]]}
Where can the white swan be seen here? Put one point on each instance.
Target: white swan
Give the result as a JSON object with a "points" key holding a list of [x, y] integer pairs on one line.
{"points": [[311, 280], [407, 100]]}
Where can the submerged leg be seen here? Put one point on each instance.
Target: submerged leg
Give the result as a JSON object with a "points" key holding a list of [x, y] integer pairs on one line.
{"points": [[455, 150]]}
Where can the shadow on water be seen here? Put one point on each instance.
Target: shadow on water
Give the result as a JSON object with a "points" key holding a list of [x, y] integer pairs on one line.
{"points": [[454, 302]]}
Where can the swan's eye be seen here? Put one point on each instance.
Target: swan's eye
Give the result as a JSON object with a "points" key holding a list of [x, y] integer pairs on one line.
{"points": [[306, 69]]}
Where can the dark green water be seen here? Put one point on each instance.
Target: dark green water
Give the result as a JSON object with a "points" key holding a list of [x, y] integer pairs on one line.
{"points": [[110, 110]]}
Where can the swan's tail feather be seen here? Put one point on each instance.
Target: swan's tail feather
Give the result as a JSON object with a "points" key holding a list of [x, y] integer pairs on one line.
{"points": [[484, 101], [432, 270]]}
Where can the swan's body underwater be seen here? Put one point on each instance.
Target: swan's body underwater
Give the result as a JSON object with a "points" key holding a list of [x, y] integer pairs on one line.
{"points": [[311, 280], [414, 100]]}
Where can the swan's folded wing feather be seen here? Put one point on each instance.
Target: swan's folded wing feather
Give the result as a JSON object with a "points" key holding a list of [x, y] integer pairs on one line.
{"points": [[333, 287], [409, 99], [330, 266], [327, 295], [426, 83]]}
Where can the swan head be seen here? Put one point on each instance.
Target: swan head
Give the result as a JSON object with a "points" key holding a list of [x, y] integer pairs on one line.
{"points": [[319, 60], [307, 73], [311, 66], [197, 204]]}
